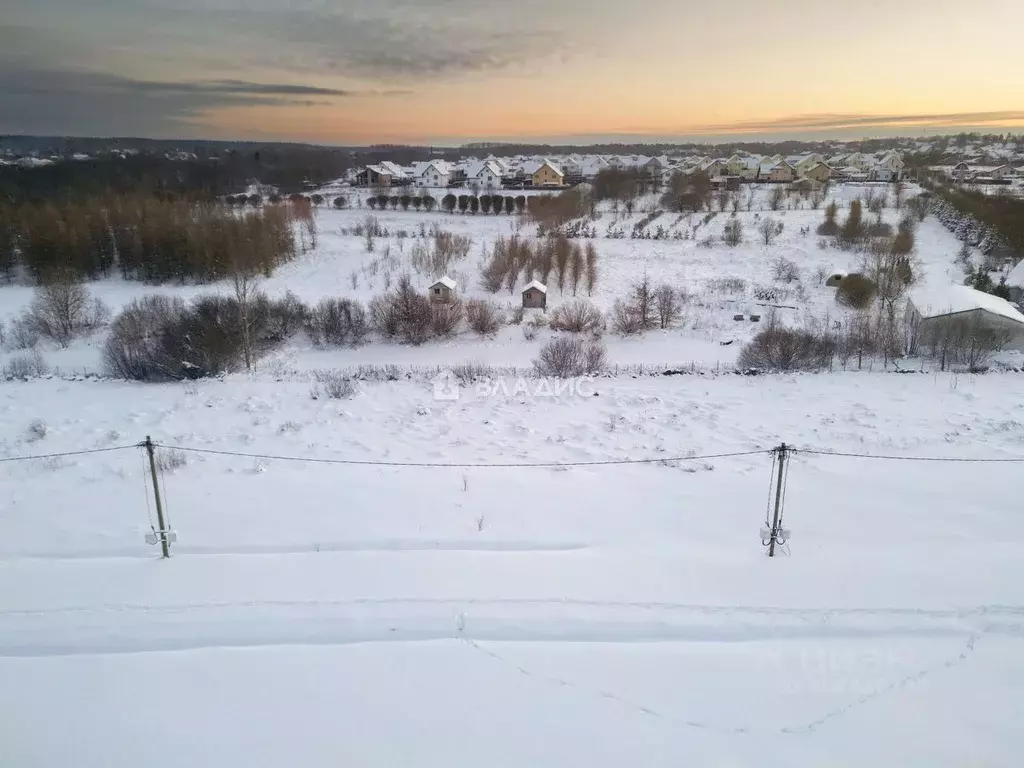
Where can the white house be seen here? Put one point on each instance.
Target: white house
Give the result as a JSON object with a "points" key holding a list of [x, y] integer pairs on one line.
{"points": [[776, 171], [889, 168], [434, 173], [715, 168], [485, 175]]}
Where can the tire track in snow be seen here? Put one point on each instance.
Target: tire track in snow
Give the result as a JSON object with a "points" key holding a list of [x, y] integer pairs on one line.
{"points": [[139, 628]]}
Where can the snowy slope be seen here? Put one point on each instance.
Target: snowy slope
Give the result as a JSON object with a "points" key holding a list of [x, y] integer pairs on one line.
{"points": [[368, 615]]}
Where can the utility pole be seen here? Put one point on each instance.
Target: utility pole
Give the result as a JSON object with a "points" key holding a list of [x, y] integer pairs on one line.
{"points": [[160, 507], [781, 451]]}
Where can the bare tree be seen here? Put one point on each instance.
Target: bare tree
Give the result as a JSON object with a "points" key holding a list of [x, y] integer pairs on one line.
{"points": [[643, 302], [769, 229], [576, 267], [776, 197], [245, 284], [60, 307], [591, 255], [669, 305], [732, 235], [898, 192]]}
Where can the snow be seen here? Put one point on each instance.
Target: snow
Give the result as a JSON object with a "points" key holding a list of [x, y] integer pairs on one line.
{"points": [[939, 300], [603, 615], [535, 284], [706, 336], [388, 615]]}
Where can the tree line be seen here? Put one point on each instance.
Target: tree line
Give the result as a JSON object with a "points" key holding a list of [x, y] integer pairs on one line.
{"points": [[145, 238]]}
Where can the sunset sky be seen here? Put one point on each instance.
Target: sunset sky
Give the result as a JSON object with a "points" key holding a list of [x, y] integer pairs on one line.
{"points": [[450, 71]]}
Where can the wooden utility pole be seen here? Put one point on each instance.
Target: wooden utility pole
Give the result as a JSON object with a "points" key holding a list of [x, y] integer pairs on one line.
{"points": [[781, 451], [160, 507]]}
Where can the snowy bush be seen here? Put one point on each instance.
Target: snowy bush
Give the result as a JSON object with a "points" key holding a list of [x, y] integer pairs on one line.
{"points": [[445, 318], [784, 349], [26, 366], [335, 385], [157, 338], [484, 317], [37, 430], [61, 310], [567, 357], [577, 316], [335, 322], [169, 459]]}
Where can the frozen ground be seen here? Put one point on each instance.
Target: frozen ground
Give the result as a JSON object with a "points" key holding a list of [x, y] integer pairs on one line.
{"points": [[340, 265], [605, 615]]}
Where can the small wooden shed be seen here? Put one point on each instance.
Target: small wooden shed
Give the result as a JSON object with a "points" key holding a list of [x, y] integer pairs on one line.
{"points": [[535, 295], [443, 291]]}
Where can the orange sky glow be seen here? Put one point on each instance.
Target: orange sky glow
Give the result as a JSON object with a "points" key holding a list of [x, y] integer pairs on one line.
{"points": [[447, 71]]}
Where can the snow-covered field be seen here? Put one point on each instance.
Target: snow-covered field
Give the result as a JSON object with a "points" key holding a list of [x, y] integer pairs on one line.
{"points": [[340, 265], [383, 615], [373, 613]]}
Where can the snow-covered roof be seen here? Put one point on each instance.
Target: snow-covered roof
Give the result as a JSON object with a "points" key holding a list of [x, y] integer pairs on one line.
{"points": [[940, 300], [420, 168], [1016, 276], [473, 170], [446, 281], [535, 284], [552, 166]]}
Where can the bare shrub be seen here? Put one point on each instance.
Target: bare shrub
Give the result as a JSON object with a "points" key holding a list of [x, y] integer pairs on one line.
{"points": [[26, 366], [530, 331], [484, 317], [23, 334], [733, 233], [135, 348], [335, 384], [37, 430], [516, 315], [170, 459], [577, 316], [445, 318], [856, 291], [334, 322], [403, 312], [785, 270], [566, 357], [728, 286], [467, 373], [158, 339], [783, 349], [624, 320], [61, 308]]}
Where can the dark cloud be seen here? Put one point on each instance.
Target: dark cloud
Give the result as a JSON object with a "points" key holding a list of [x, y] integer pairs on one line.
{"points": [[90, 103], [835, 121]]}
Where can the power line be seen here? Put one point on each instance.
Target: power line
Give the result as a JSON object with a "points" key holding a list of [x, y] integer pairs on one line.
{"points": [[509, 465], [886, 457], [67, 453]]}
